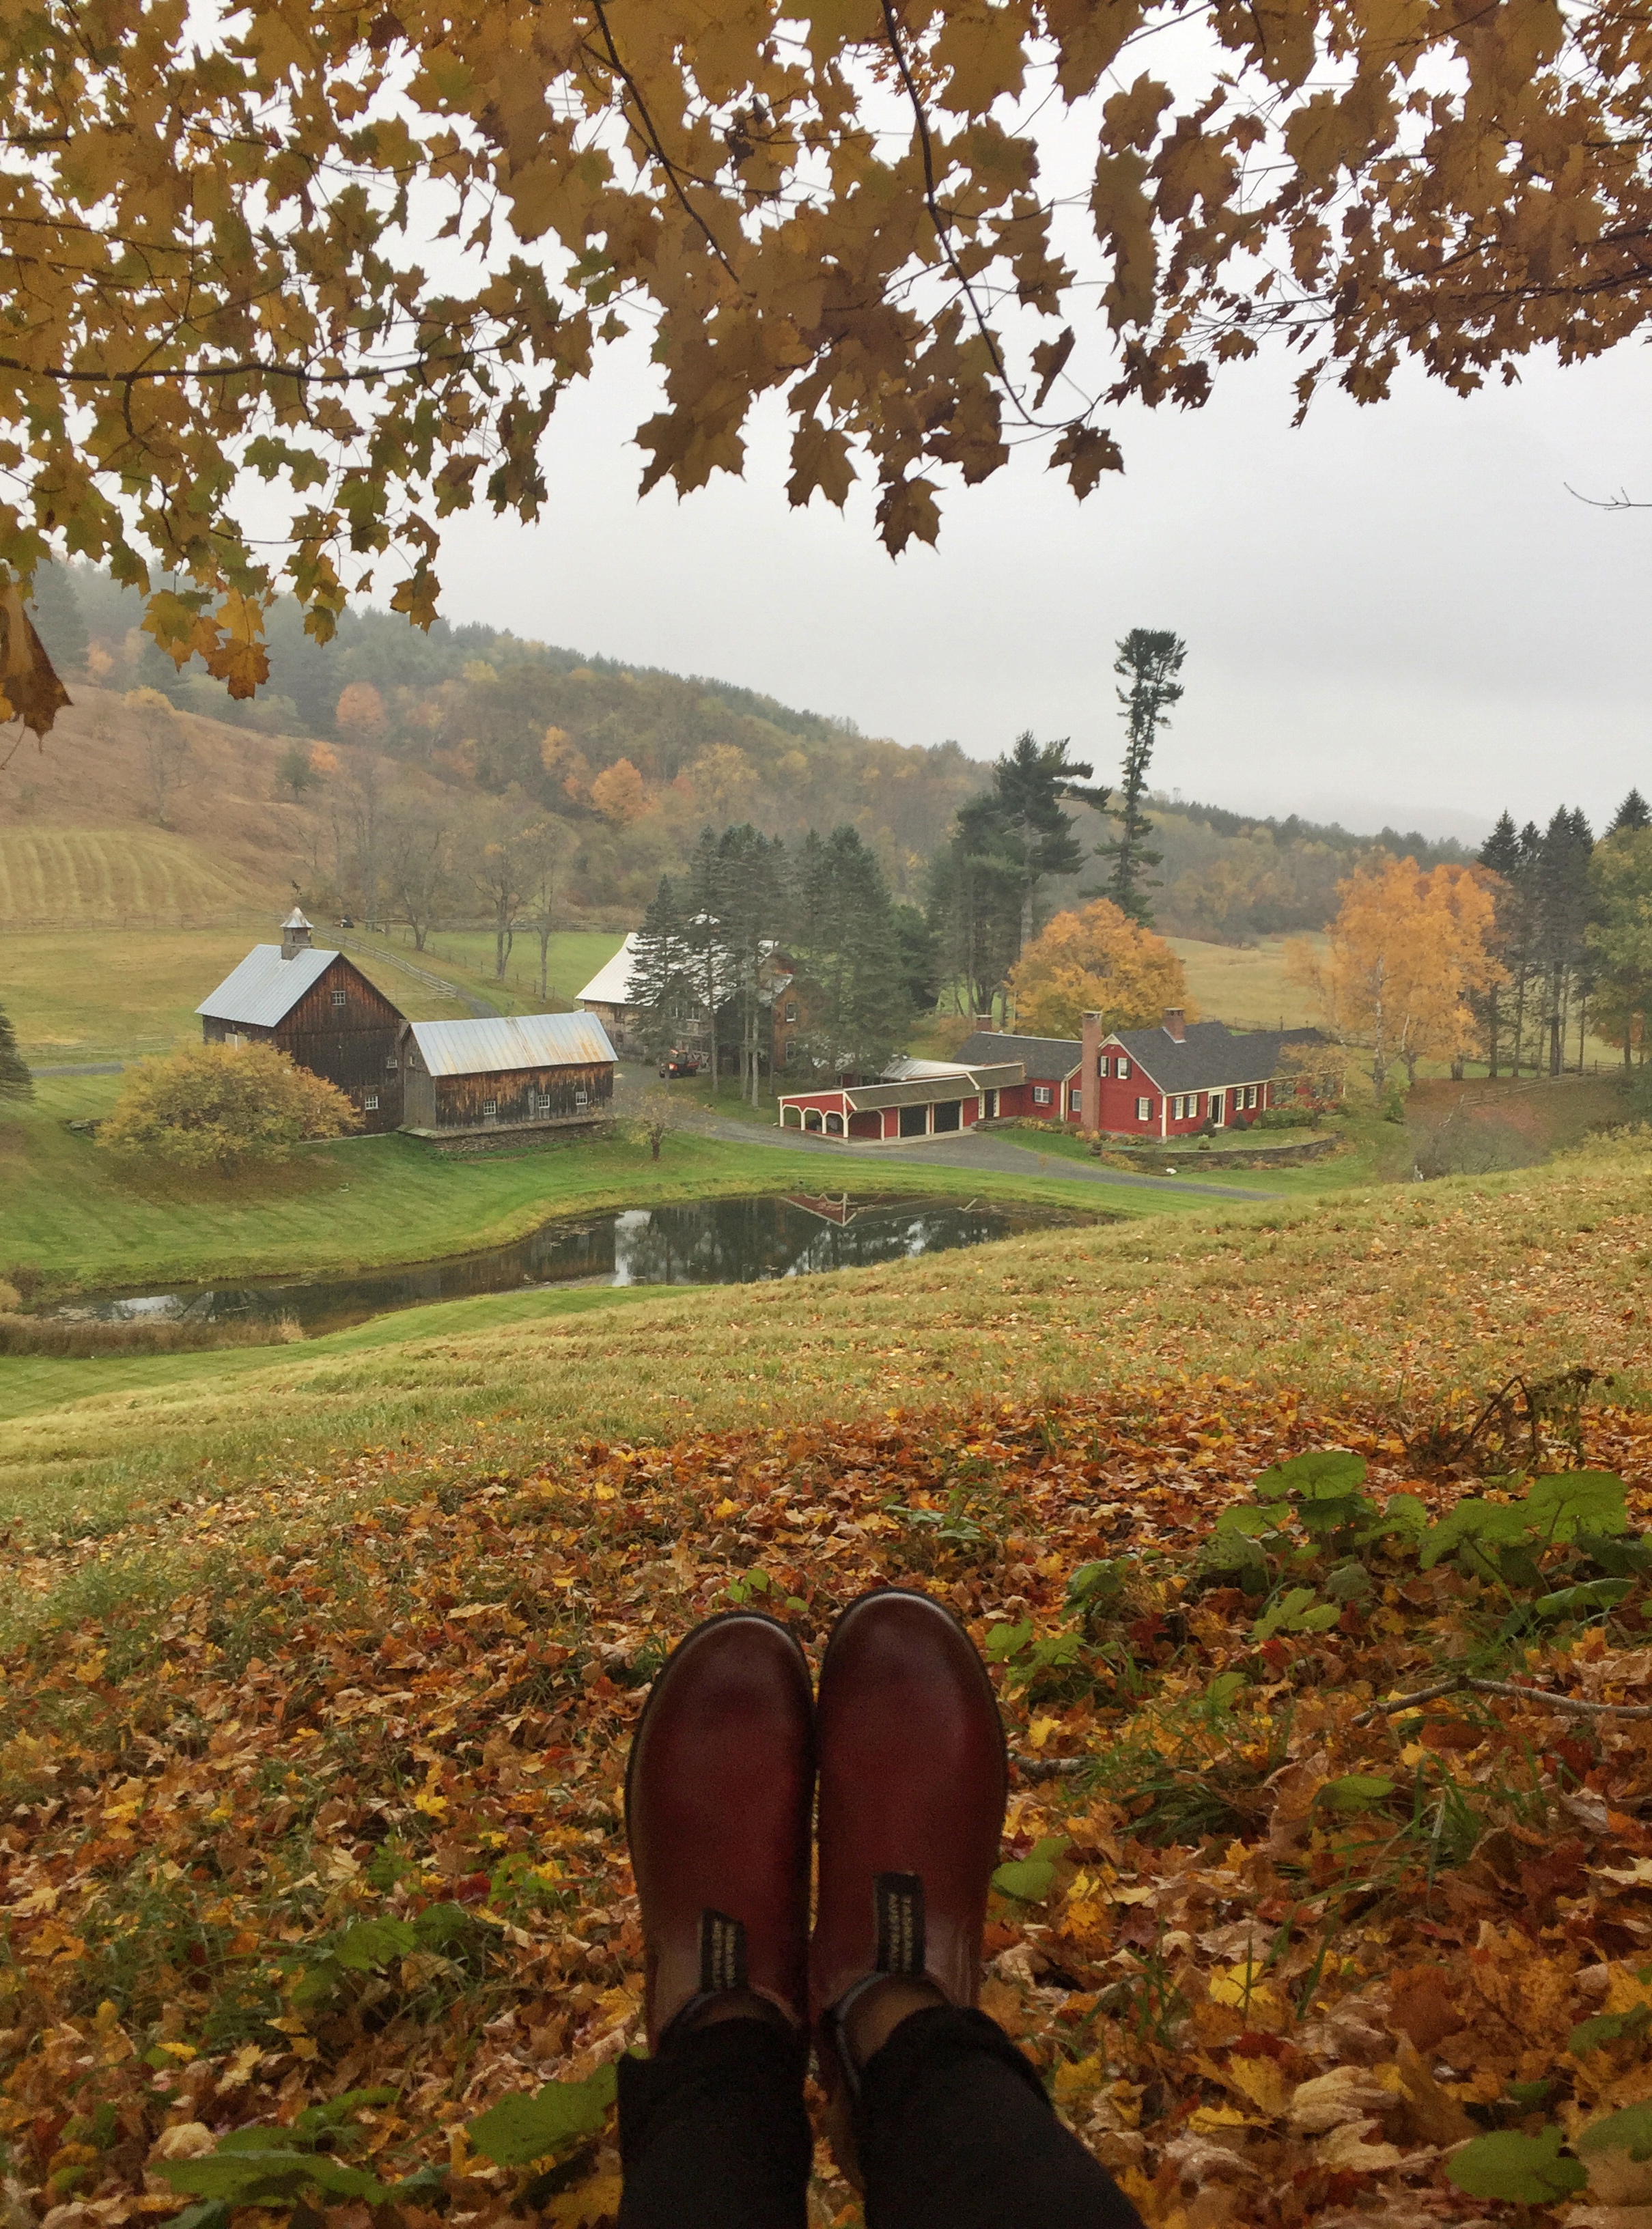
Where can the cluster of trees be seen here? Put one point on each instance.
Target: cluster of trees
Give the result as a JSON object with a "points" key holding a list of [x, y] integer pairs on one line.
{"points": [[1572, 937], [1513, 961], [1096, 959], [1236, 878], [717, 940]]}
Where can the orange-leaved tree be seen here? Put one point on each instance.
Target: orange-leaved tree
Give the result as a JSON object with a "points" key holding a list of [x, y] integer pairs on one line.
{"points": [[216, 1106], [223, 327], [1096, 959], [1405, 951]]}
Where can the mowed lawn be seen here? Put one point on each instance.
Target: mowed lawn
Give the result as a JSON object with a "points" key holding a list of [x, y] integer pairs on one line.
{"points": [[84, 1219], [571, 959], [96, 995], [1412, 1296]]}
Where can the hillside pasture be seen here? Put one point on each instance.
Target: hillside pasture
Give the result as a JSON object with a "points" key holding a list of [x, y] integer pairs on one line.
{"points": [[88, 877], [1245, 985], [108, 994]]}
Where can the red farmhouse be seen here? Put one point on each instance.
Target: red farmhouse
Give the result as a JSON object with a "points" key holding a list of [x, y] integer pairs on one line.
{"points": [[1166, 1082]]}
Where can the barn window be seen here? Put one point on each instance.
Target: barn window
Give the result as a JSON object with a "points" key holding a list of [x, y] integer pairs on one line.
{"points": [[1143, 1110], [370, 1100], [1123, 1069], [582, 1099], [390, 1060], [490, 1107], [338, 997], [1041, 1095], [544, 1103]]}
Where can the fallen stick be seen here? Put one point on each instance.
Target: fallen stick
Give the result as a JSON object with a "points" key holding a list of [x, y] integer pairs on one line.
{"points": [[1048, 1768], [1543, 1695]]}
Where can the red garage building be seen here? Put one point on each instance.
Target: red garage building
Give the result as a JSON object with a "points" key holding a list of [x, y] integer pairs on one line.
{"points": [[929, 1099]]}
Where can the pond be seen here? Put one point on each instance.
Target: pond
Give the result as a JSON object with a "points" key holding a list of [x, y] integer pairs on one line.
{"points": [[714, 1242]]}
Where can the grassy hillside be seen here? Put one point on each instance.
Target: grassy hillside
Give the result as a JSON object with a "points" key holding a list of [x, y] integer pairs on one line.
{"points": [[1245, 985], [1414, 1298], [80, 1219], [111, 994], [93, 875]]}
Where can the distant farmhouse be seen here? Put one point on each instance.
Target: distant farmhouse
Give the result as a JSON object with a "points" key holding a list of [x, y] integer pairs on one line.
{"points": [[610, 996], [434, 1079], [1165, 1082]]}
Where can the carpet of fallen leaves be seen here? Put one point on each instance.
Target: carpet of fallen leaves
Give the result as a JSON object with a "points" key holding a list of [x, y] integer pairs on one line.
{"points": [[1255, 2005]]}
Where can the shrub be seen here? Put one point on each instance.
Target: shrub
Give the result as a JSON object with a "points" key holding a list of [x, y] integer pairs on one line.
{"points": [[218, 1106]]}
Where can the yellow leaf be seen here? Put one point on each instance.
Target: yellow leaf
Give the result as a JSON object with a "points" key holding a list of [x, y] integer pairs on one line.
{"points": [[1261, 2081]]}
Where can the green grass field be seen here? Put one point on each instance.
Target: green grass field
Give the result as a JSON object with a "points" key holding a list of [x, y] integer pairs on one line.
{"points": [[573, 956], [115, 993], [85, 1219], [1376, 1290], [109, 874]]}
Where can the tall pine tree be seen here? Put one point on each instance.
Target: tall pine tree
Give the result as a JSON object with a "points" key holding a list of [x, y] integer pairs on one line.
{"points": [[1148, 661], [844, 945]]}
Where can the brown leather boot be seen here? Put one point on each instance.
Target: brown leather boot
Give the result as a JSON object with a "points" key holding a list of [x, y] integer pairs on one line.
{"points": [[913, 1782], [717, 1796]]}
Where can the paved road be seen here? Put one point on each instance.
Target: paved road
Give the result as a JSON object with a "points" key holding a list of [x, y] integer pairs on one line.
{"points": [[972, 1149]]}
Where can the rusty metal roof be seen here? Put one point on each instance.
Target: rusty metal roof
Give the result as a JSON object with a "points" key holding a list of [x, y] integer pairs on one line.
{"points": [[266, 987], [501, 1042]]}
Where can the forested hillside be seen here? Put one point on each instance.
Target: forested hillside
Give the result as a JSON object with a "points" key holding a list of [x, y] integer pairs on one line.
{"points": [[634, 762]]}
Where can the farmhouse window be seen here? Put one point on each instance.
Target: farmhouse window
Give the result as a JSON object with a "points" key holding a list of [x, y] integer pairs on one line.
{"points": [[490, 1107], [1143, 1109], [1075, 1098], [1123, 1069], [1249, 1095], [1041, 1095], [1102, 1067], [791, 1009], [788, 1052], [370, 1100]]}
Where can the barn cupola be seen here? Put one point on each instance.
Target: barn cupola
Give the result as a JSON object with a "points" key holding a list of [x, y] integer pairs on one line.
{"points": [[295, 935]]}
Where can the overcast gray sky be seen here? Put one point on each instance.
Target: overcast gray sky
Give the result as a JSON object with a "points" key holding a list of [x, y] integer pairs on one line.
{"points": [[1392, 613]]}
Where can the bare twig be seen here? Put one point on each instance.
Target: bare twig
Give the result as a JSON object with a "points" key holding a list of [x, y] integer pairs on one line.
{"points": [[1048, 1768], [1542, 1695]]}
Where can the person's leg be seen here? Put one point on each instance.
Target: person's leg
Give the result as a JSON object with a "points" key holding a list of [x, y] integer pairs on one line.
{"points": [[933, 2110], [713, 2134]]}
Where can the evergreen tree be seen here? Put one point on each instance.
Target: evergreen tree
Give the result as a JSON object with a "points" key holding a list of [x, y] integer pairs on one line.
{"points": [[1028, 786], [751, 909], [1148, 661], [845, 944], [16, 1082], [59, 620], [1501, 852], [1562, 897], [1633, 814], [917, 958], [659, 968]]}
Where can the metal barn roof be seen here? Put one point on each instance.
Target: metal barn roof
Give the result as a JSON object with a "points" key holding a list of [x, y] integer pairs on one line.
{"points": [[611, 985], [265, 988], [499, 1044]]}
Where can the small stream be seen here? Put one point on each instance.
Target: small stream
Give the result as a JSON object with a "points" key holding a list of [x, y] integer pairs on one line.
{"points": [[714, 1242]]}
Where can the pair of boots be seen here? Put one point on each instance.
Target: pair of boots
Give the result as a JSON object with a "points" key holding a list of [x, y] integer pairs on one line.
{"points": [[904, 1745]]}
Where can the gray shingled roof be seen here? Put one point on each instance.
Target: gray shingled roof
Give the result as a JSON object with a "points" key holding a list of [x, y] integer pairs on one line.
{"points": [[1040, 1056], [1211, 1056]]}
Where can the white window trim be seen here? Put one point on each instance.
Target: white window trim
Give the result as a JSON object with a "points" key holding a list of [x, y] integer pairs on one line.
{"points": [[1144, 1110], [1041, 1096]]}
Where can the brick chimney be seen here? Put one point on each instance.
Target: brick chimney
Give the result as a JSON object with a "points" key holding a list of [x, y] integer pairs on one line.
{"points": [[295, 935], [984, 1022], [1090, 1076], [1176, 1024]]}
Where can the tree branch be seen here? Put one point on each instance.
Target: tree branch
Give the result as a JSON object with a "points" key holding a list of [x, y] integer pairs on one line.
{"points": [[1542, 1695]]}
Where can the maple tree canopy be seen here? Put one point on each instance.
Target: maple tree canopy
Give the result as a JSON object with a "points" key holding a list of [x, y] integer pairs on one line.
{"points": [[359, 251]]}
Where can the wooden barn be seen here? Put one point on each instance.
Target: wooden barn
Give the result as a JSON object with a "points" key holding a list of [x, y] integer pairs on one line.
{"points": [[506, 1072], [314, 1006]]}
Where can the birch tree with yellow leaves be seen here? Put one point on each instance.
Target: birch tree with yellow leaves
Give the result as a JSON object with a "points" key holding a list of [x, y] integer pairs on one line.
{"points": [[1405, 952], [283, 288]]}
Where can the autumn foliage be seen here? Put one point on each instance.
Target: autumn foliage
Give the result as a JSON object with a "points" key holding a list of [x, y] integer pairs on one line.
{"points": [[1406, 949], [219, 1106], [210, 255], [1096, 959], [323, 1840]]}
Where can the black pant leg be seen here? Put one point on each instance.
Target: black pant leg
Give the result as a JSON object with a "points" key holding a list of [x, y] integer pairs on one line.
{"points": [[713, 2134], [955, 2131]]}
